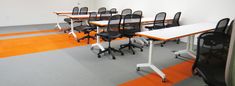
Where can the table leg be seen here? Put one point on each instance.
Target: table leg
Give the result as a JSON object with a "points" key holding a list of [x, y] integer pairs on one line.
{"points": [[72, 30], [149, 64], [189, 48], [57, 23], [98, 41]]}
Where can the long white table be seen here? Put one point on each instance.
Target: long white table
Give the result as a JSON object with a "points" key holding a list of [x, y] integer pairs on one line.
{"points": [[105, 23], [171, 34]]}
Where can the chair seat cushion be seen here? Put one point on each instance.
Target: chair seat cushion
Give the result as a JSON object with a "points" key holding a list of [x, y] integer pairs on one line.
{"points": [[109, 36]]}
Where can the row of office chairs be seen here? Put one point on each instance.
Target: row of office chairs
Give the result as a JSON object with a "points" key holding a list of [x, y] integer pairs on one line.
{"points": [[76, 11], [104, 15], [116, 30], [159, 23], [212, 50], [103, 9]]}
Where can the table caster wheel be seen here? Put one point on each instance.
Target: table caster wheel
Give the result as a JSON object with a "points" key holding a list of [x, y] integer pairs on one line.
{"points": [[195, 72], [99, 56], [138, 69], [164, 80]]}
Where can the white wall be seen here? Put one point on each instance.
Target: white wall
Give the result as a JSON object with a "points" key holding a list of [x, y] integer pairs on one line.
{"points": [[193, 11], [26, 12]]}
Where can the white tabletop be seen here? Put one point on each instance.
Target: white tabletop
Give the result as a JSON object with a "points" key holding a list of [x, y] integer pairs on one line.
{"points": [[178, 32]]}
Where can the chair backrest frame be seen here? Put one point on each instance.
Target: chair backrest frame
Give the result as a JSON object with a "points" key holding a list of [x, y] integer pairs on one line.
{"points": [[114, 25], [159, 21], [75, 11], [83, 11], [222, 25], [102, 9]]}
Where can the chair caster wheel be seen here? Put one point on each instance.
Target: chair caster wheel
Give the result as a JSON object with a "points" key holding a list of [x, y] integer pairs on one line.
{"points": [[99, 56], [138, 69], [141, 50], [162, 45], [114, 58], [133, 53], [164, 80], [92, 48], [78, 40], [122, 54]]}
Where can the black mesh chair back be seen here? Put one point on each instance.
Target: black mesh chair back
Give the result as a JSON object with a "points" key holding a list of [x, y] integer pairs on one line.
{"points": [[113, 10], [211, 61], [102, 9], [138, 12], [131, 24], [83, 11], [105, 15], [230, 28], [176, 19], [126, 11], [222, 25], [92, 17], [159, 21], [113, 27], [75, 11]]}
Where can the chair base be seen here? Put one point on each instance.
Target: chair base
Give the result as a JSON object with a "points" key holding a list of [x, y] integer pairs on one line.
{"points": [[86, 37], [110, 51], [130, 46]]}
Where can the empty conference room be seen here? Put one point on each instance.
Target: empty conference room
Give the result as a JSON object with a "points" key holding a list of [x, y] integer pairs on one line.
{"points": [[117, 43]]}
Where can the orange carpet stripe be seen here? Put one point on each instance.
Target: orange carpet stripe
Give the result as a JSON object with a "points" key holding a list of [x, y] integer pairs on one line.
{"points": [[28, 45], [174, 75], [25, 33]]}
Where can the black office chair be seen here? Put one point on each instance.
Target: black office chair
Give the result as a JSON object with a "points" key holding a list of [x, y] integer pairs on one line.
{"points": [[113, 11], [174, 23], [211, 61], [68, 20], [126, 11], [138, 12], [102, 9], [113, 32], [83, 11], [129, 30], [219, 29], [89, 28], [74, 12], [159, 23]]}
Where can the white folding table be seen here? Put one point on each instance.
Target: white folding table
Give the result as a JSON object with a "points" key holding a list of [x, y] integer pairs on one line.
{"points": [[105, 23], [171, 34]]}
